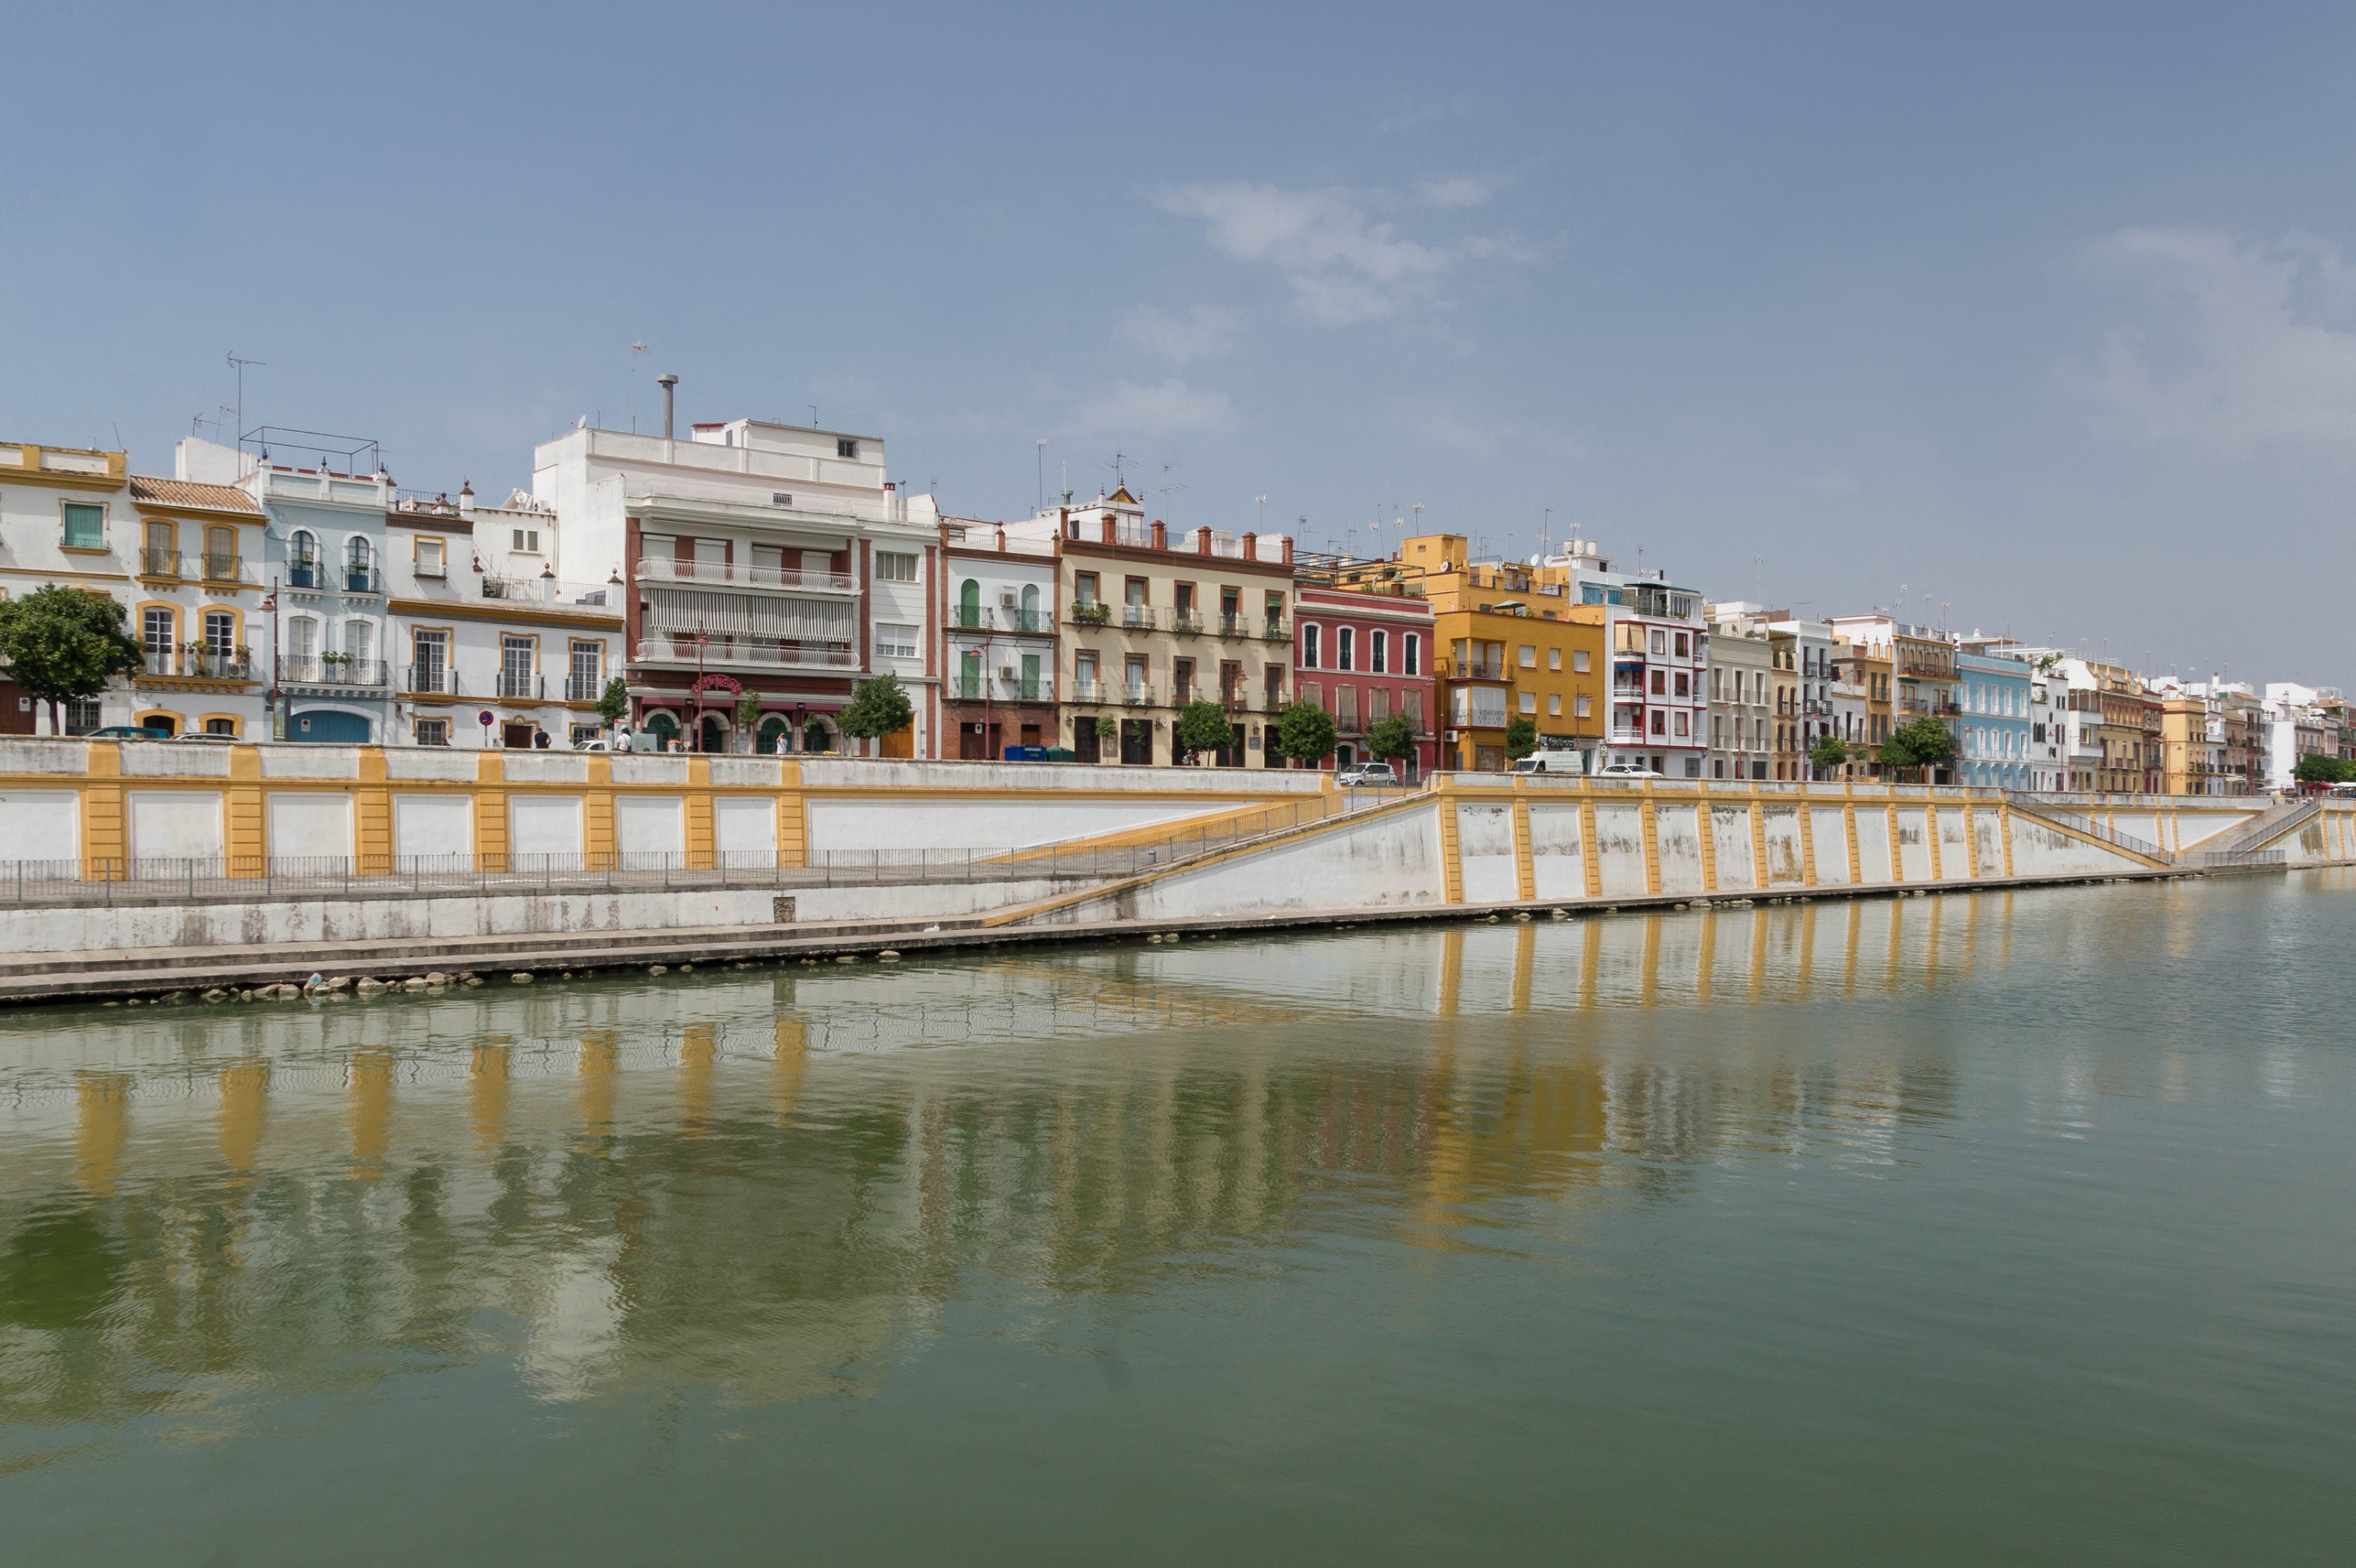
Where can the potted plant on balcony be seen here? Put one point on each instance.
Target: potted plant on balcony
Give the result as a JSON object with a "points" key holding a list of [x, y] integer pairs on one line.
{"points": [[1094, 615]]}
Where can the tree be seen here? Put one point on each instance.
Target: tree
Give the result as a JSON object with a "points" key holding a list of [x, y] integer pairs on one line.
{"points": [[1829, 752], [1202, 726], [1392, 739], [1305, 732], [2316, 768], [62, 643], [614, 702], [1521, 737], [1922, 744], [878, 708]]}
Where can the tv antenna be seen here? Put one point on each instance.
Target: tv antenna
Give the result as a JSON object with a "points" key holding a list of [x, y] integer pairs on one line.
{"points": [[238, 366], [1167, 490], [638, 347]]}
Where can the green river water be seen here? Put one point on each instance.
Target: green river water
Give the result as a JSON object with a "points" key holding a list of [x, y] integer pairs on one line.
{"points": [[1991, 1228]]}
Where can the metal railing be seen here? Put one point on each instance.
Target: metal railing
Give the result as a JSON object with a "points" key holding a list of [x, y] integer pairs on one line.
{"points": [[433, 680], [1275, 630], [1091, 615], [521, 686], [1136, 617], [1137, 697], [583, 687], [197, 662], [723, 650], [737, 574], [1186, 623], [330, 670], [1235, 626], [969, 618], [223, 568], [1088, 692], [2034, 807], [159, 563]]}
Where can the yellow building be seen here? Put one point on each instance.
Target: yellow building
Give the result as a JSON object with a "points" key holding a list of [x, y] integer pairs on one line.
{"points": [[1510, 646]]}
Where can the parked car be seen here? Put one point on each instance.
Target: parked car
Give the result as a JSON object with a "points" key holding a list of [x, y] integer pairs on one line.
{"points": [[1550, 762], [1366, 775], [128, 733], [1627, 770], [600, 743]]}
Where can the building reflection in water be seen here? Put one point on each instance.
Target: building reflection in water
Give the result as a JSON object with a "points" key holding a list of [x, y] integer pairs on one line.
{"points": [[769, 1183]]}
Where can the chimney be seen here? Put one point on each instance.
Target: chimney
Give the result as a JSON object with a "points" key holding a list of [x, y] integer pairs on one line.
{"points": [[667, 383], [1251, 547], [1160, 535], [1287, 549], [466, 498]]}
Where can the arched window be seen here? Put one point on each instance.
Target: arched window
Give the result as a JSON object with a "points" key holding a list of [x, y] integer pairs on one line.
{"points": [[1382, 652], [1030, 608], [356, 565], [1309, 639], [1411, 659], [969, 604], [302, 560], [1344, 640]]}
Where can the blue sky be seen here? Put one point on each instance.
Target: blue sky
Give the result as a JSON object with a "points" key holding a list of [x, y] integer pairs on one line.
{"points": [[2045, 313]]}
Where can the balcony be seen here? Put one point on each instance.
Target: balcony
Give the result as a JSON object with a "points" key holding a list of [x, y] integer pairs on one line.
{"points": [[732, 651], [314, 577], [224, 568], [1137, 697], [981, 689], [1086, 690], [1136, 617], [521, 686], [159, 563], [583, 687], [1275, 629], [196, 665], [1033, 621], [971, 618], [1472, 669], [432, 680], [1235, 626], [735, 574], [432, 568], [1235, 702], [1090, 615], [1186, 623], [330, 670]]}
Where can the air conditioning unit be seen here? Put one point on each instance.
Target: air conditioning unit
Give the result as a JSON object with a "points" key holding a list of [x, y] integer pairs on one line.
{"points": [[1008, 602], [1006, 672]]}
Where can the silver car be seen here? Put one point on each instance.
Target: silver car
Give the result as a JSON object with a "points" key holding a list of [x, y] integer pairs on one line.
{"points": [[1366, 775]]}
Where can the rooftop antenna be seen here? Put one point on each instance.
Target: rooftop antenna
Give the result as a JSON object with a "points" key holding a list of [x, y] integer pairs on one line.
{"points": [[813, 408], [638, 347], [1041, 465], [1167, 490], [238, 366], [1262, 502]]}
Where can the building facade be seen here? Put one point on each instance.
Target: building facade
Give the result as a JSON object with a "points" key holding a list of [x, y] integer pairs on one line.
{"points": [[1000, 657], [1365, 655], [1742, 695], [1995, 748]]}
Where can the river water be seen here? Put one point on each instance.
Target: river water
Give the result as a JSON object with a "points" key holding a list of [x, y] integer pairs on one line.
{"points": [[1997, 1227]]}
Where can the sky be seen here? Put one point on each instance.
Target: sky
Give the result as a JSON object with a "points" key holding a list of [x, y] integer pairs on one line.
{"points": [[2043, 315]]}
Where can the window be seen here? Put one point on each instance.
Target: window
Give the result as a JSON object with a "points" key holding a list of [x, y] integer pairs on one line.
{"points": [[893, 641], [1578, 660], [1685, 646], [1411, 658], [1581, 707], [1530, 702], [894, 566], [1414, 709], [83, 715], [1684, 684], [220, 634], [85, 528], [588, 664], [1313, 693], [1660, 721], [220, 554], [221, 727], [525, 539], [1554, 659], [434, 731], [429, 669], [1342, 639], [1345, 707], [1660, 683], [1084, 588], [1529, 656], [845, 447], [1378, 704], [156, 631], [1381, 650], [1660, 643], [1554, 705], [1682, 730], [516, 655], [1310, 656]]}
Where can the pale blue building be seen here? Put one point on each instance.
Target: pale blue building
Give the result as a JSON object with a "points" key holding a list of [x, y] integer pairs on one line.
{"points": [[1993, 736]]}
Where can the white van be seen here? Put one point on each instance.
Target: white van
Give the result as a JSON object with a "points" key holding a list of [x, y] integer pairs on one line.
{"points": [[1551, 762]]}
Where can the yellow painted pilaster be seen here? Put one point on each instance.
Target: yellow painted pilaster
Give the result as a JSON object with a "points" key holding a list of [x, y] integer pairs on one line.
{"points": [[1525, 868], [1652, 844], [1759, 841], [372, 816], [244, 841], [597, 812], [490, 813], [102, 827], [1588, 858], [2004, 835], [699, 814], [1808, 844], [1709, 850], [1930, 838], [1451, 870], [1849, 829], [1971, 841]]}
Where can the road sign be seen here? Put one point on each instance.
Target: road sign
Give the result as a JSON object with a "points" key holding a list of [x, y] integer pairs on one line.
{"points": [[484, 718]]}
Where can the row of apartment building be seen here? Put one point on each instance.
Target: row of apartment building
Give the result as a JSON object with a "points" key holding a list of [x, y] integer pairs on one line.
{"points": [[743, 580]]}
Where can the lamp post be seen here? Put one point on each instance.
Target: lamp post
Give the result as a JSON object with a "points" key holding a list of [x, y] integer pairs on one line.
{"points": [[276, 720], [696, 714]]}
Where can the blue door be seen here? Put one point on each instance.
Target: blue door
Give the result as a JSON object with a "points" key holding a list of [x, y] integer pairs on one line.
{"points": [[327, 725]]}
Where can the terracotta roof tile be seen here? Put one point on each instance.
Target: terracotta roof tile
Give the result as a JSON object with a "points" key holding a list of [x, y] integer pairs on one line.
{"points": [[189, 492]]}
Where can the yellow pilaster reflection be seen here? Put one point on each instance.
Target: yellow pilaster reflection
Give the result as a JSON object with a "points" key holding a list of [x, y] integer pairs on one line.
{"points": [[792, 1059], [1452, 971], [1807, 944], [372, 1085], [1591, 959], [1706, 963], [599, 1054], [244, 1098], [1648, 984], [1525, 959], [1758, 955], [102, 1126], [1856, 913], [697, 1051], [486, 1094]]}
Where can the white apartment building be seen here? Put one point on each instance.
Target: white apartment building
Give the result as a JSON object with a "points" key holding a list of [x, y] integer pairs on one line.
{"points": [[181, 556], [485, 630], [2294, 726], [1658, 643], [1741, 697], [758, 561], [999, 669]]}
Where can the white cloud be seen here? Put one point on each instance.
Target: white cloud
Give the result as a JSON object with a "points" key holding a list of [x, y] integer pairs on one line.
{"points": [[1342, 268], [1457, 190], [1171, 406], [1205, 332], [2230, 346]]}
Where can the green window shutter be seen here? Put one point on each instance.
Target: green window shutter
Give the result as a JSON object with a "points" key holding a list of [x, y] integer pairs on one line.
{"points": [[85, 526]]}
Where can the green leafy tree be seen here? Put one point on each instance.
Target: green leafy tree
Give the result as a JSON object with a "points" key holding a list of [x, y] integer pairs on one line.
{"points": [[1305, 732], [1829, 752], [1521, 737], [62, 643], [1924, 744], [878, 708], [1392, 739], [2316, 768], [614, 702], [1202, 726]]}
